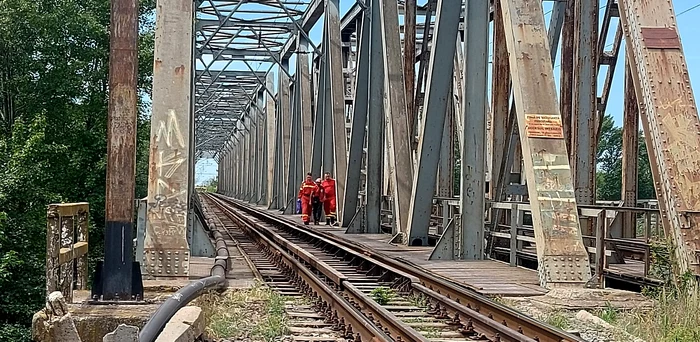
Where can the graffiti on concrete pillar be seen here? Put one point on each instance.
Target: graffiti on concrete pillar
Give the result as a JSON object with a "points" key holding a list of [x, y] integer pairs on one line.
{"points": [[167, 204]]}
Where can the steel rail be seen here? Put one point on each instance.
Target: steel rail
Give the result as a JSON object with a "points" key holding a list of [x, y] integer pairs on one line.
{"points": [[393, 326], [468, 297], [365, 328]]}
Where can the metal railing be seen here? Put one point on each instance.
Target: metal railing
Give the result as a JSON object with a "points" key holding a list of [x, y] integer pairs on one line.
{"points": [[67, 248], [606, 244]]}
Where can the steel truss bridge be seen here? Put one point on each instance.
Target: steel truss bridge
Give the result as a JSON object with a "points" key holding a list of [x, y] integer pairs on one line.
{"points": [[396, 96]]}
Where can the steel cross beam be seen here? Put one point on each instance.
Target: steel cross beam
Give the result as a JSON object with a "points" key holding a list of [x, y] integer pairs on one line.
{"points": [[560, 248], [237, 31], [359, 123]]}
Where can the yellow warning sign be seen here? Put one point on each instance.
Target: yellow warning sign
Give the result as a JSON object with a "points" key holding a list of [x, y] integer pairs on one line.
{"points": [[543, 126]]}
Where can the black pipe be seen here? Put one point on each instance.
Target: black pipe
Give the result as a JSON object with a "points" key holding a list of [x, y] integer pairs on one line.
{"points": [[217, 278]]}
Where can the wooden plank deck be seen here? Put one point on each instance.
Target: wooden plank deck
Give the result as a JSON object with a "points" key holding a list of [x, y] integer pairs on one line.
{"points": [[489, 277]]}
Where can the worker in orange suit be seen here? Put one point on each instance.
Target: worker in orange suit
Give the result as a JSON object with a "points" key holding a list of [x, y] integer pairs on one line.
{"points": [[328, 185], [317, 198], [305, 191]]}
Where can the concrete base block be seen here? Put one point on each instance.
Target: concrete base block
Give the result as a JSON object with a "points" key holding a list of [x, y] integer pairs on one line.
{"points": [[124, 333], [186, 325], [96, 321], [54, 323]]}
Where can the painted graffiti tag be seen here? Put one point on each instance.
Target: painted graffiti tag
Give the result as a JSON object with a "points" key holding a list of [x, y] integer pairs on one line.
{"points": [[168, 130]]}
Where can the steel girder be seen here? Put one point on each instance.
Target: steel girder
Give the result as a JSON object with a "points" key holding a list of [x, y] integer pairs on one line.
{"points": [[237, 43]]}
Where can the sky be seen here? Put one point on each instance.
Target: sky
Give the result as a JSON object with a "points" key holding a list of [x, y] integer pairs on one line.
{"points": [[687, 12]]}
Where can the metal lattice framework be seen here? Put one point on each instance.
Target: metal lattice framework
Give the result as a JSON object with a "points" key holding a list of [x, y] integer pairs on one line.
{"points": [[237, 43], [391, 134]]}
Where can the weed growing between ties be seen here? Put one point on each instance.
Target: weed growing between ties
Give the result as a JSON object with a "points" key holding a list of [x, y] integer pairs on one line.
{"points": [[257, 313], [675, 314], [382, 295], [418, 300]]}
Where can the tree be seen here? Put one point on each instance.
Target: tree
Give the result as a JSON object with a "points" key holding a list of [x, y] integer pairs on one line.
{"points": [[609, 173], [53, 146]]}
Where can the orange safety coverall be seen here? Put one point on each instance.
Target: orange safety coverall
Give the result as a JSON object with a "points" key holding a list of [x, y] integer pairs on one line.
{"points": [[329, 204], [305, 195]]}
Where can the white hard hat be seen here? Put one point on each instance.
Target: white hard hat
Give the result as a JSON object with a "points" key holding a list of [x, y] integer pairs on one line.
{"points": [[318, 180]]}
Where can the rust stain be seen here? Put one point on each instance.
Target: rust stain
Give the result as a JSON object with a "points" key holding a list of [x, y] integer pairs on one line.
{"points": [[660, 38], [179, 71]]}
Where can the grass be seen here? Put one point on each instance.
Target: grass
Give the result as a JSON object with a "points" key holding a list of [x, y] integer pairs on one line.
{"points": [[256, 313], [382, 295], [558, 319], [430, 332], [609, 313], [675, 313], [672, 318], [418, 300]]}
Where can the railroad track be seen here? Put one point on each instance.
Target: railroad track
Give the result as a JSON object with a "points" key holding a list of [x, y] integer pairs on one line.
{"points": [[310, 319], [400, 300]]}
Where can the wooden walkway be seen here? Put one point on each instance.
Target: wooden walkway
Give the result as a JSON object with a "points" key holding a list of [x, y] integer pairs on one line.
{"points": [[489, 277]]}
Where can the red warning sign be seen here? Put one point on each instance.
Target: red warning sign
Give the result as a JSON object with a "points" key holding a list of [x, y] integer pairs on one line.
{"points": [[543, 126]]}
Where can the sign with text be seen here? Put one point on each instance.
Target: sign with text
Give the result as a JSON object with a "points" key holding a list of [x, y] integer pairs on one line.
{"points": [[543, 126]]}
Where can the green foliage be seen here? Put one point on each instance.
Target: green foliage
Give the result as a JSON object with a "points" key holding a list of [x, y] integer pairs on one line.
{"points": [[558, 319], [662, 266], [609, 175], [55, 70], [382, 295], [418, 300], [672, 317], [212, 184], [609, 313]]}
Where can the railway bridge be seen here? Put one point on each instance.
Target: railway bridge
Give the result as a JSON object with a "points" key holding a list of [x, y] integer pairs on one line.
{"points": [[451, 134], [463, 137]]}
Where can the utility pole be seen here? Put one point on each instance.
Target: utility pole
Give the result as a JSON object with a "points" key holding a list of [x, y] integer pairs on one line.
{"points": [[116, 274]]}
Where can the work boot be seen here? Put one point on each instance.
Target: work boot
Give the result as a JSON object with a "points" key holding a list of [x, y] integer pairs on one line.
{"points": [[328, 222], [315, 222], [306, 223]]}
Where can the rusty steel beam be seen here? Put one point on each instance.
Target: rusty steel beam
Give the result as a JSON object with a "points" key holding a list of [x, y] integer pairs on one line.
{"points": [[166, 251], [670, 121], [630, 151], [423, 59], [500, 94], [567, 72], [608, 58], [121, 150], [560, 249], [409, 62], [584, 127], [284, 121], [304, 84], [270, 138]]}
